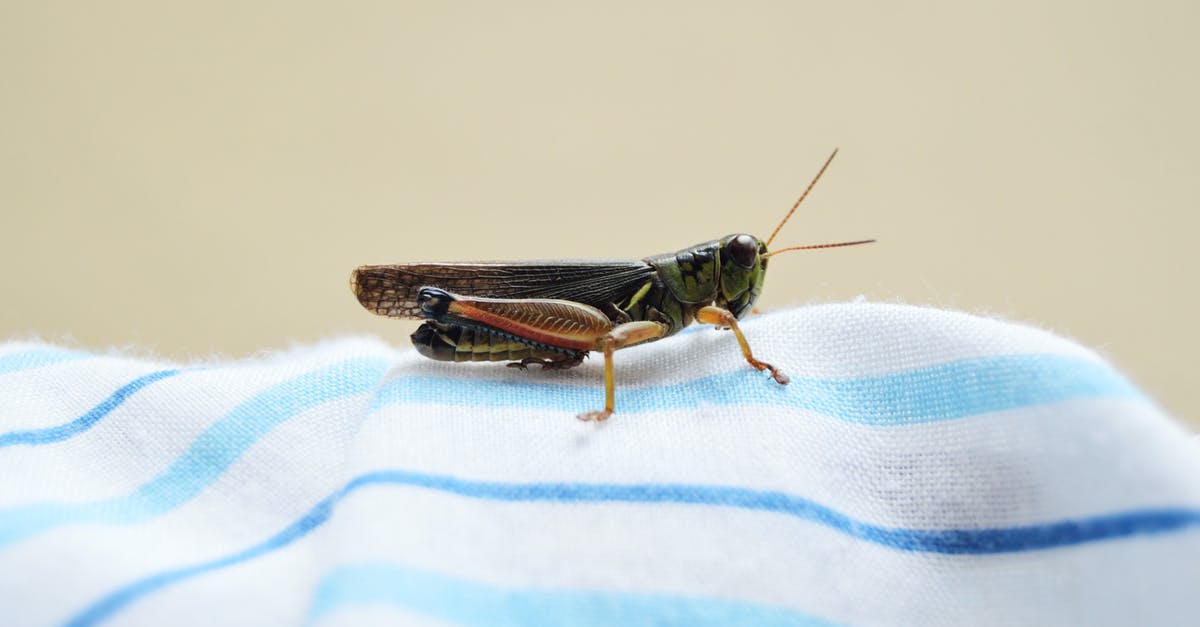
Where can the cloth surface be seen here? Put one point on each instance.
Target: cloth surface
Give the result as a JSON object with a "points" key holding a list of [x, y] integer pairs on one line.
{"points": [[923, 468]]}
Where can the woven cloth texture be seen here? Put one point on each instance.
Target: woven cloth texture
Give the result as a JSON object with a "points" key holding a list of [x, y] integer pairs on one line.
{"points": [[923, 467]]}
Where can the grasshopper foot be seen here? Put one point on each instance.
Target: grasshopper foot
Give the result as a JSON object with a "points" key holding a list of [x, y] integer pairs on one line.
{"points": [[595, 416], [781, 378], [567, 361]]}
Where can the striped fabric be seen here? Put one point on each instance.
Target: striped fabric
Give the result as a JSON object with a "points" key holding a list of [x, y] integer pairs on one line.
{"points": [[923, 468]]}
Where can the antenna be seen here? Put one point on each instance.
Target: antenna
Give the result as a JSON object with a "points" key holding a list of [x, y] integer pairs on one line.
{"points": [[801, 199], [815, 246]]}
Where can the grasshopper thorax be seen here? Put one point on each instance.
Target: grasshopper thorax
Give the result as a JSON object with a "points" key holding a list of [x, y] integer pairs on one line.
{"points": [[727, 272]]}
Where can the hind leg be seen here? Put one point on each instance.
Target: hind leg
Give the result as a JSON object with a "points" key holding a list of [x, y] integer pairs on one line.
{"points": [[559, 363]]}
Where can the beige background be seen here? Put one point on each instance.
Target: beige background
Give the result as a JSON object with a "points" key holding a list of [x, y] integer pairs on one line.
{"points": [[201, 179]]}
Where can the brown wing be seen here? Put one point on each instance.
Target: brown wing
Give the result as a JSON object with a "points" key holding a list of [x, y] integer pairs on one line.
{"points": [[392, 290]]}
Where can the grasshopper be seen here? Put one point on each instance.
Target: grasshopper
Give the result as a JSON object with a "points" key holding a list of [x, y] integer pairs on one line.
{"points": [[552, 313]]}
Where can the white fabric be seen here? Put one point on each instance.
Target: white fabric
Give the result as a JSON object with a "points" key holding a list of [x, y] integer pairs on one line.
{"points": [[923, 468]]}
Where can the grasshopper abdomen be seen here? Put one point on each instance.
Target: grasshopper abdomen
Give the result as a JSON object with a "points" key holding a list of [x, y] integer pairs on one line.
{"points": [[451, 342]]}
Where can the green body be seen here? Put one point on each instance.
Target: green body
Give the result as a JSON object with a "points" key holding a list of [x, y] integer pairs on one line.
{"points": [[674, 287]]}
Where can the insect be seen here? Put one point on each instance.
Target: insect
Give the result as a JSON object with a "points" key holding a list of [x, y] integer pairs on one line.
{"points": [[552, 313]]}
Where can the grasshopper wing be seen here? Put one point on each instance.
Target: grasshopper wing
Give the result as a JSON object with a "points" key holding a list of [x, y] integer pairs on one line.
{"points": [[392, 290]]}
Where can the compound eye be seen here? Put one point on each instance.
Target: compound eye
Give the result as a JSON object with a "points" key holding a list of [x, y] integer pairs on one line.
{"points": [[743, 249]]}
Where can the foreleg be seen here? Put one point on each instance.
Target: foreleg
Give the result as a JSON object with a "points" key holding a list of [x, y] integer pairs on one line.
{"points": [[723, 318]]}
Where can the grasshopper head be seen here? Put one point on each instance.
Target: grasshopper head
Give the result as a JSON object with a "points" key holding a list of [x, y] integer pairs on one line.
{"points": [[744, 259], [743, 265]]}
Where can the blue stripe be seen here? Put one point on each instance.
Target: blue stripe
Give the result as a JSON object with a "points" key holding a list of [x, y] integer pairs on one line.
{"points": [[27, 360], [470, 603], [87, 421], [208, 456], [951, 541], [105, 607], [943, 392], [948, 541]]}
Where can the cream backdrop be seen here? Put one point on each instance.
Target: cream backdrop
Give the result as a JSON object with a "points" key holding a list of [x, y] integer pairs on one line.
{"points": [[199, 180]]}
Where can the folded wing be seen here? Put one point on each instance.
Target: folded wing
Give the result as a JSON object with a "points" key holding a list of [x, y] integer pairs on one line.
{"points": [[392, 290]]}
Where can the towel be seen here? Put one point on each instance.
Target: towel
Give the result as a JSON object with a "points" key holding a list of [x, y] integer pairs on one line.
{"points": [[924, 467]]}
